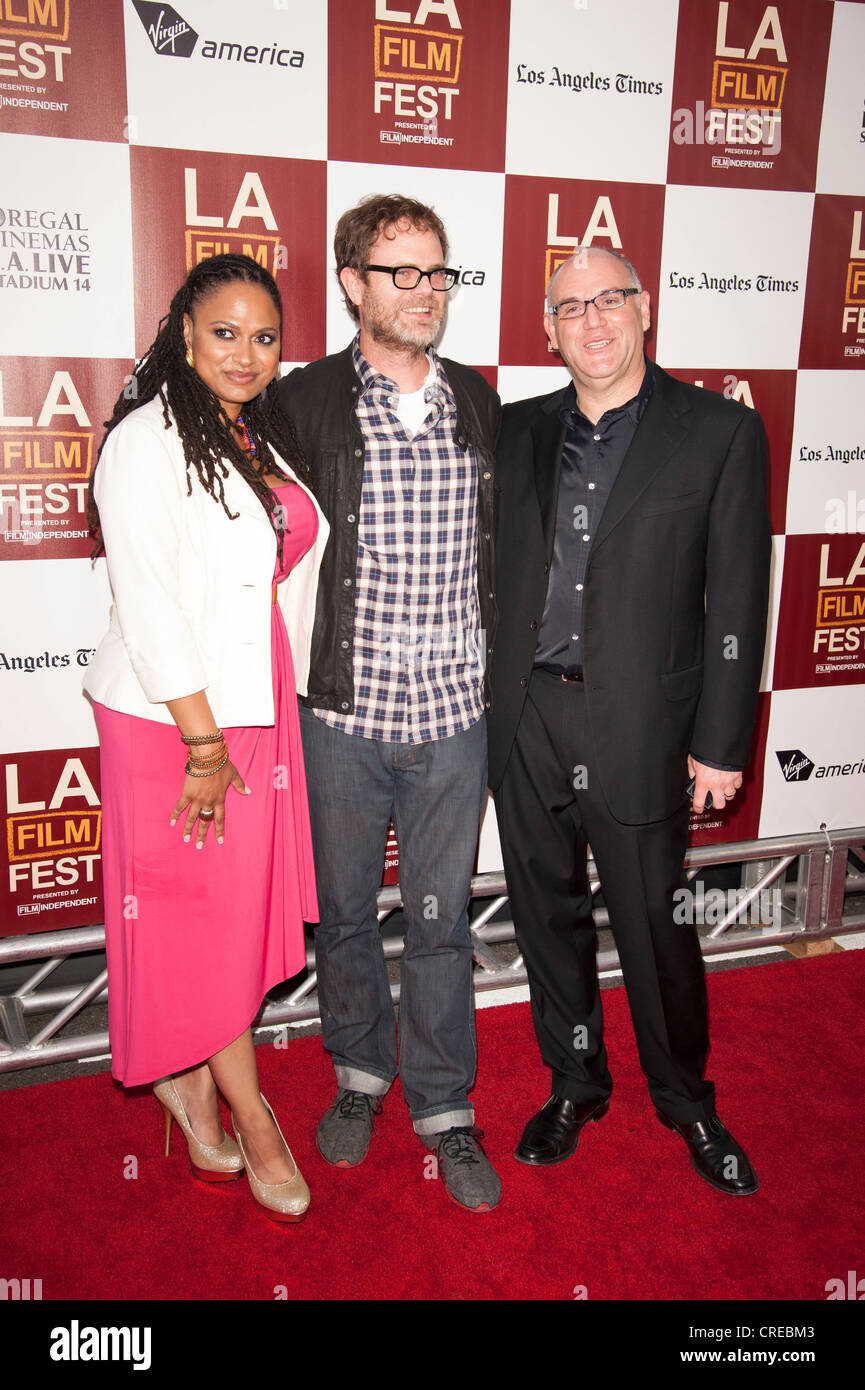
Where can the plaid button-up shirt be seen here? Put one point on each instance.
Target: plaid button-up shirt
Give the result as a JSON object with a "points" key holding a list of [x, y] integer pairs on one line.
{"points": [[418, 656]]}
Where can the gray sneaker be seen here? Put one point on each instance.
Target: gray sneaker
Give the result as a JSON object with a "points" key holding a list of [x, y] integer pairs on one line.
{"points": [[347, 1127], [469, 1177]]}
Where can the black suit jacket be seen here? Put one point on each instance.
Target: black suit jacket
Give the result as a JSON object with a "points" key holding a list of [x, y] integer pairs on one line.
{"points": [[674, 608]]}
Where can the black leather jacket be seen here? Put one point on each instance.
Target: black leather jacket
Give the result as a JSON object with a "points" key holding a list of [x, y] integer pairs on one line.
{"points": [[320, 399]]}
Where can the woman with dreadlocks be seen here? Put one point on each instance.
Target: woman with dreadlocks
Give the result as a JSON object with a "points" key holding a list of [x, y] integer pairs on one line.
{"points": [[213, 543]]}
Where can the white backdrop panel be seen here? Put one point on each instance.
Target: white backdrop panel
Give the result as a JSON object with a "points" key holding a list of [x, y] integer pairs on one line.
{"points": [[827, 462], [254, 83], [776, 576], [718, 243], [471, 205], [579, 69], [55, 612], [823, 727], [518, 383], [69, 297], [841, 160]]}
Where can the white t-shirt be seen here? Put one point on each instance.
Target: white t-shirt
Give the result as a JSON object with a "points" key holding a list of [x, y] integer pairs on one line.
{"points": [[412, 409]]}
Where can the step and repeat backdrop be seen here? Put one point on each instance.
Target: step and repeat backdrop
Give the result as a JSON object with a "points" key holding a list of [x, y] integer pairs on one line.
{"points": [[719, 143]]}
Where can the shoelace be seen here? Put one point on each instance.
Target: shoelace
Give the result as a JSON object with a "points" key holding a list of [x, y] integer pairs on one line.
{"points": [[357, 1105], [459, 1144]]}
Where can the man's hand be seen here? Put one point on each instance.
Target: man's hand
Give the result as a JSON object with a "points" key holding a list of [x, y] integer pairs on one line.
{"points": [[722, 785]]}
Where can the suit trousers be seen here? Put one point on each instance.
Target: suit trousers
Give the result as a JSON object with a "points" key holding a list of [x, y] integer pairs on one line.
{"points": [[549, 807]]}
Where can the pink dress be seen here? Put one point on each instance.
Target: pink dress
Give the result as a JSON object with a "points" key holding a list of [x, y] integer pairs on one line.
{"points": [[196, 938]]}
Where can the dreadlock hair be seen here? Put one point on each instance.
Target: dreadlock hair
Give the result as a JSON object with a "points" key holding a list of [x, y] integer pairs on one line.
{"points": [[201, 421]]}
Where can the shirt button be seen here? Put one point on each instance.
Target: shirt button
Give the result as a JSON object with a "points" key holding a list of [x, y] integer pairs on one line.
{"points": [[524, 680], [358, 453], [344, 645], [579, 588], [351, 517], [575, 637], [486, 535], [596, 436], [533, 625], [345, 705], [488, 475], [587, 538], [591, 487], [347, 583]]}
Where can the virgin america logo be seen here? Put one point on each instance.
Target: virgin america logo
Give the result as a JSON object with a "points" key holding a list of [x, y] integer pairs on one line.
{"points": [[795, 766], [165, 29]]}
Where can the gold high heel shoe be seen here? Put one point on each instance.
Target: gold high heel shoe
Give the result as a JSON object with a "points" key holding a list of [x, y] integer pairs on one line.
{"points": [[281, 1201], [211, 1163]]}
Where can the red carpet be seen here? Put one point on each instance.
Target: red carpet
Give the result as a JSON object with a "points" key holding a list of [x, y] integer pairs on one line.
{"points": [[626, 1218]]}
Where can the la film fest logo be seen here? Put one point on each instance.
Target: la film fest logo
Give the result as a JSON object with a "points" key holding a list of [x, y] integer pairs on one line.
{"points": [[601, 226], [171, 36], [749, 75], [839, 636], [34, 49], [53, 833], [210, 233], [46, 458], [734, 388], [416, 70], [853, 313]]}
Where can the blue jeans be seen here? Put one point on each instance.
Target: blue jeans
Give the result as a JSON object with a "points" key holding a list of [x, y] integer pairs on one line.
{"points": [[434, 792]]}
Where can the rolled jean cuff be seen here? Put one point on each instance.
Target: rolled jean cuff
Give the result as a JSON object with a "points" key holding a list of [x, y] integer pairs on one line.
{"points": [[428, 1126], [353, 1079]]}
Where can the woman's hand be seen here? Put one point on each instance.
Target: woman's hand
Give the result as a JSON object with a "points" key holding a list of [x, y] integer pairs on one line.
{"points": [[203, 799]]}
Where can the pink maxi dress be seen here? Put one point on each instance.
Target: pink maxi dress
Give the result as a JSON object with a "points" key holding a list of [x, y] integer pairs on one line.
{"points": [[196, 938]]}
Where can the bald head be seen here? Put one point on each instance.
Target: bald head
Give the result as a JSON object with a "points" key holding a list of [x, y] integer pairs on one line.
{"points": [[580, 259]]}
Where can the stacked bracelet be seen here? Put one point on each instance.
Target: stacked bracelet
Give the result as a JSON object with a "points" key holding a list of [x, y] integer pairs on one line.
{"points": [[209, 771], [211, 762]]}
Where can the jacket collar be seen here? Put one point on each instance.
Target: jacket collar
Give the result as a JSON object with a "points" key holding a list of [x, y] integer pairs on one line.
{"points": [[660, 433], [467, 431], [662, 428]]}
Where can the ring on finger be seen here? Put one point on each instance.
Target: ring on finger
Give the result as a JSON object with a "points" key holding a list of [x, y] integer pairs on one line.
{"points": [[206, 815]]}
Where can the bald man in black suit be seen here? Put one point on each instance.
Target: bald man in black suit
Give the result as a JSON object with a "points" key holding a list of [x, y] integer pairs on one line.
{"points": [[633, 555]]}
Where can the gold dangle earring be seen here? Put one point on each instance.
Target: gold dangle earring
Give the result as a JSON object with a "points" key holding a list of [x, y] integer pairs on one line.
{"points": [[190, 358]]}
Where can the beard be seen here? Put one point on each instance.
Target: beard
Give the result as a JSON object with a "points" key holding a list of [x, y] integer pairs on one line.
{"points": [[386, 325]]}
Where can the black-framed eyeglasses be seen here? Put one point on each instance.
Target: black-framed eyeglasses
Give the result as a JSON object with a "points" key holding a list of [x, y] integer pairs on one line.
{"points": [[575, 308], [408, 277]]}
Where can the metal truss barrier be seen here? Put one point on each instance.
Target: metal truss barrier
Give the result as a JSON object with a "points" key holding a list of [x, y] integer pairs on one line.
{"points": [[806, 905]]}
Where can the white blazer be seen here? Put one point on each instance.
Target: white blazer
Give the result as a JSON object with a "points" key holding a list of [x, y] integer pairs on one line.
{"points": [[191, 588]]}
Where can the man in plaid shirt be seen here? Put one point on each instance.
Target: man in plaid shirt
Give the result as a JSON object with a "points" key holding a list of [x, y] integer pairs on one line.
{"points": [[399, 446]]}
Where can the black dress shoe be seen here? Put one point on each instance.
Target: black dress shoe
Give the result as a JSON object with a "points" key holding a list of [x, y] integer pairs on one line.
{"points": [[553, 1134], [716, 1156]]}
